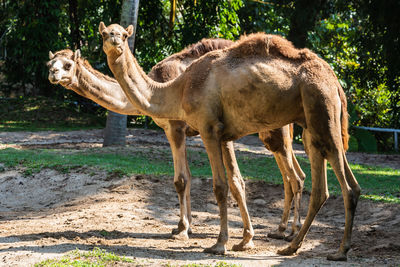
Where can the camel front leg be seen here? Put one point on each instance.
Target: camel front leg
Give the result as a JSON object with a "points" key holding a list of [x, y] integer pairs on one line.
{"points": [[237, 186], [175, 132], [220, 187]]}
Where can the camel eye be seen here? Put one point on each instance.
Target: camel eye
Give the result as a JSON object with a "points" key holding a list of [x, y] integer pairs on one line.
{"points": [[67, 66], [104, 34], [125, 36]]}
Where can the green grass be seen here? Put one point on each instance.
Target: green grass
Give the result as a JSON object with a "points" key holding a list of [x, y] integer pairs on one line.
{"points": [[47, 114], [95, 258], [379, 184], [100, 257]]}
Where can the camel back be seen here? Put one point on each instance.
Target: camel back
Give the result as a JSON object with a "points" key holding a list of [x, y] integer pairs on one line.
{"points": [[201, 48], [169, 68], [267, 45]]}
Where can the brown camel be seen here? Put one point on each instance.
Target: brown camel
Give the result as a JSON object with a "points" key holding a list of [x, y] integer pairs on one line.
{"points": [[261, 82], [73, 72]]}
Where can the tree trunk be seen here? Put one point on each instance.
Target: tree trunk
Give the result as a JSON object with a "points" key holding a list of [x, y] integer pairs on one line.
{"points": [[129, 16], [115, 132], [73, 16]]}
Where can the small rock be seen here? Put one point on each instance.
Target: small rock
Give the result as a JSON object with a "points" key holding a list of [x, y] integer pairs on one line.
{"points": [[260, 202]]}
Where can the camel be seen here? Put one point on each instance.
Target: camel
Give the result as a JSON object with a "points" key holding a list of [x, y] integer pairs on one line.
{"points": [[73, 72], [260, 82]]}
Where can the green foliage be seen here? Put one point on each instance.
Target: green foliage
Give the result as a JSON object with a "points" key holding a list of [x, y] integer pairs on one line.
{"points": [[256, 17], [365, 140], [377, 183], [32, 33]]}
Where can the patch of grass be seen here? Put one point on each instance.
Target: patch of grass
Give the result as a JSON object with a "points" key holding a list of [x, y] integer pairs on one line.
{"points": [[95, 258], [48, 114], [379, 184], [101, 258]]}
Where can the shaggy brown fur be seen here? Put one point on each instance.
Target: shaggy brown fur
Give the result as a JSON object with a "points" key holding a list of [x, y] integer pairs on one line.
{"points": [[267, 44], [167, 69], [201, 48]]}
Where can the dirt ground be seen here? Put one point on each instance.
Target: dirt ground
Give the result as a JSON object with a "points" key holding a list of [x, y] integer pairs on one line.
{"points": [[49, 213]]}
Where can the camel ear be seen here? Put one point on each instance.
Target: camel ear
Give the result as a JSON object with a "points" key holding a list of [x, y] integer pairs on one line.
{"points": [[102, 27], [77, 54], [129, 30], [51, 55]]}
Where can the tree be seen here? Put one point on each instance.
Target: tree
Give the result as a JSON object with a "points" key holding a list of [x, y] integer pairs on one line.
{"points": [[115, 131]]}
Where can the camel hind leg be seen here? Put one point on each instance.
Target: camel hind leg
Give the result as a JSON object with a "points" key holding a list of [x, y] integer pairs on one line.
{"points": [[319, 193], [279, 142], [351, 192], [324, 141]]}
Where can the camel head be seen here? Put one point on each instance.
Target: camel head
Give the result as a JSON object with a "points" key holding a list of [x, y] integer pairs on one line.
{"points": [[62, 66], [114, 38]]}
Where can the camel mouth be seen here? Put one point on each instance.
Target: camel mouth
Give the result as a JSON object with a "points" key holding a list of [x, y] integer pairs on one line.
{"points": [[54, 81], [65, 82], [118, 48]]}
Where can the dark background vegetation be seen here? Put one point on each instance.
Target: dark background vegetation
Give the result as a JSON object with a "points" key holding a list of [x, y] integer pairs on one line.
{"points": [[359, 39]]}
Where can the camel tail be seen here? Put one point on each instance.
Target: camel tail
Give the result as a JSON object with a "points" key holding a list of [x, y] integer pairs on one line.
{"points": [[344, 119]]}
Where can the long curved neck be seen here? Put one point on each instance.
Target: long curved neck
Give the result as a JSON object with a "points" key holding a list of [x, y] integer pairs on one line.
{"points": [[105, 92], [152, 98]]}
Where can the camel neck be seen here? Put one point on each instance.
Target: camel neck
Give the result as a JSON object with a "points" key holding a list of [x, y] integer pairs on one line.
{"points": [[160, 100], [103, 90]]}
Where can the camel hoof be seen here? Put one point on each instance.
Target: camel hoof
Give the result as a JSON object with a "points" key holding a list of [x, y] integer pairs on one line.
{"points": [[339, 256], [276, 235], [218, 249], [177, 231], [290, 237], [287, 251], [183, 236], [242, 246]]}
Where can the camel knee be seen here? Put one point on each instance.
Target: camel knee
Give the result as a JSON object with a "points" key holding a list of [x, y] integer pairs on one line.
{"points": [[237, 188], [297, 184], [356, 191], [237, 183], [353, 196], [221, 192], [319, 200], [180, 183]]}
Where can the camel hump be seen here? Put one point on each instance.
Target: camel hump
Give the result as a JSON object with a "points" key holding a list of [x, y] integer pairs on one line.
{"points": [[270, 45], [168, 68], [203, 47]]}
